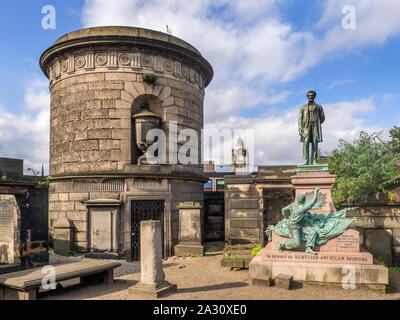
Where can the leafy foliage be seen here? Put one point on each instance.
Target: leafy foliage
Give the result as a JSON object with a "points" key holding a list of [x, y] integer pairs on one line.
{"points": [[43, 183], [365, 167], [394, 143], [256, 250]]}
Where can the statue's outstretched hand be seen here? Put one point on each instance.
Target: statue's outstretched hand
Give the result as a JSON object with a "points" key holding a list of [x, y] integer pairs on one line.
{"points": [[317, 189]]}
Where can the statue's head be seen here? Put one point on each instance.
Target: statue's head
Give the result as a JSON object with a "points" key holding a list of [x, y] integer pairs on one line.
{"points": [[301, 198], [311, 95]]}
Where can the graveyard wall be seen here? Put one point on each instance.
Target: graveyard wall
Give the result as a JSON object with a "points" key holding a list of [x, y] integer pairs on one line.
{"points": [[246, 196], [379, 227]]}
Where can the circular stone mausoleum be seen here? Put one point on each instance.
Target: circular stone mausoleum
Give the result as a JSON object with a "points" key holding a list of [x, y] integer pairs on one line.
{"points": [[108, 86]]}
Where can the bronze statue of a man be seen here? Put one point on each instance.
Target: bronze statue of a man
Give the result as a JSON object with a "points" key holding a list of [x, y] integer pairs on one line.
{"points": [[311, 118]]}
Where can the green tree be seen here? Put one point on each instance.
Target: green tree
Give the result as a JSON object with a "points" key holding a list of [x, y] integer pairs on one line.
{"points": [[364, 167], [394, 143]]}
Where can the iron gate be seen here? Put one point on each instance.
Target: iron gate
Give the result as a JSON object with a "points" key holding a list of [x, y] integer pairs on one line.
{"points": [[145, 210]]}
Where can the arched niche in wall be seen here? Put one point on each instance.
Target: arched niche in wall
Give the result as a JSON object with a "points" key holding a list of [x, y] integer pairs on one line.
{"points": [[154, 106]]}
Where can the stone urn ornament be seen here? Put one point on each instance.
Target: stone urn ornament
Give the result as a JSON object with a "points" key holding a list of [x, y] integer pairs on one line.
{"points": [[145, 121]]}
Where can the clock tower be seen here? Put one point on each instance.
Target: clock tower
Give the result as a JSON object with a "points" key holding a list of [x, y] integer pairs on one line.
{"points": [[240, 157]]}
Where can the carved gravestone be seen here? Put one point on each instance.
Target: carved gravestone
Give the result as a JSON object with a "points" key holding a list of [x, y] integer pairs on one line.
{"points": [[9, 215], [190, 230]]}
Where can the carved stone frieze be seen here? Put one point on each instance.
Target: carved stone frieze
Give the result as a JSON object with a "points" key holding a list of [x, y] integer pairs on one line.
{"points": [[124, 60]]}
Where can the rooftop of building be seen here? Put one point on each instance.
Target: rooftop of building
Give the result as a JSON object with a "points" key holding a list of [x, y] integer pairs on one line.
{"points": [[129, 36], [122, 31]]}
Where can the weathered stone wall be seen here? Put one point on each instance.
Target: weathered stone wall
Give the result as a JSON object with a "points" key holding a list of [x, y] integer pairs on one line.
{"points": [[379, 227], [247, 208], [243, 213], [91, 118], [67, 199], [11, 167]]}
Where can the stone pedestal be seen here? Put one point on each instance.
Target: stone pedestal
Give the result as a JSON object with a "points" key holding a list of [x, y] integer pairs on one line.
{"points": [[310, 177], [152, 280], [190, 231], [329, 265]]}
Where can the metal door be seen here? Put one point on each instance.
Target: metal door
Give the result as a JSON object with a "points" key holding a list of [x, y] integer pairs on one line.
{"points": [[145, 210]]}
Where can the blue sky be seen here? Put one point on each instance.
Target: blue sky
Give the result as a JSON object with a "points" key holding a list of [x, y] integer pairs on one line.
{"points": [[266, 56]]}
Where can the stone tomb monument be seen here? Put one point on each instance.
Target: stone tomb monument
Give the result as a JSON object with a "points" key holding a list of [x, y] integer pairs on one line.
{"points": [[152, 279], [190, 229], [109, 86], [313, 242]]}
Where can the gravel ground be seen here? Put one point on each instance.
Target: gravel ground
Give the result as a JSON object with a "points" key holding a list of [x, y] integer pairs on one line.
{"points": [[205, 279]]}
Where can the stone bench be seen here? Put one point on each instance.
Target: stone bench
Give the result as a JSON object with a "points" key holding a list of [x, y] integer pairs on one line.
{"points": [[24, 285]]}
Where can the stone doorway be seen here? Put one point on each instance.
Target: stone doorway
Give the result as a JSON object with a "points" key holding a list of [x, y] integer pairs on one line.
{"points": [[214, 215], [144, 210]]}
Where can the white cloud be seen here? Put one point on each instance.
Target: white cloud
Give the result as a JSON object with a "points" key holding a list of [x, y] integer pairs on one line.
{"points": [[337, 83], [26, 136], [247, 42], [376, 23]]}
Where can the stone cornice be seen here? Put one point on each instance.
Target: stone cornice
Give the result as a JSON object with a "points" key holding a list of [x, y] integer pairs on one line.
{"points": [[103, 175], [133, 58]]}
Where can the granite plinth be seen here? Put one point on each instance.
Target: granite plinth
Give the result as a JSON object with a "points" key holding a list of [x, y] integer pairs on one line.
{"points": [[306, 182], [271, 254], [344, 249], [265, 267]]}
